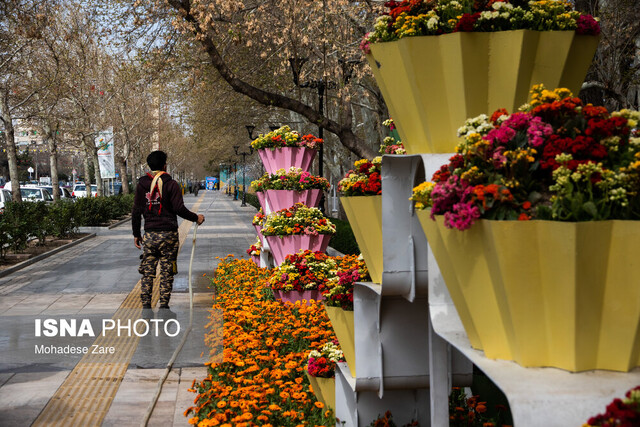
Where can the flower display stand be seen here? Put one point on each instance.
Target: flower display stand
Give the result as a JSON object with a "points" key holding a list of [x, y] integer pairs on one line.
{"points": [[259, 233], [284, 199], [294, 296], [282, 246], [365, 217], [256, 259], [286, 157], [324, 389], [528, 390], [388, 366], [545, 293], [262, 198], [432, 84], [343, 326]]}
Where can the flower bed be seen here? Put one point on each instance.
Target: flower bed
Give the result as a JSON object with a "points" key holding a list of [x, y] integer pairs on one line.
{"points": [[292, 179], [305, 270], [262, 379], [298, 219], [364, 179], [429, 18], [620, 412], [285, 137], [556, 160]]}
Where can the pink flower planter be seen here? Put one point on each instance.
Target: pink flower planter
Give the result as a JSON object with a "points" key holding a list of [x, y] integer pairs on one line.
{"points": [[285, 245], [262, 197], [284, 199], [256, 259], [258, 229], [286, 157], [293, 296]]}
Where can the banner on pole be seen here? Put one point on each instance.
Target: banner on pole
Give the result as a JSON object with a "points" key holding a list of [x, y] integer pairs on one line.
{"points": [[104, 142]]}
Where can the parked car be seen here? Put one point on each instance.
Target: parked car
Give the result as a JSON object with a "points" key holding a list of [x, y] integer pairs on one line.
{"points": [[80, 190], [35, 194], [65, 194], [5, 196]]}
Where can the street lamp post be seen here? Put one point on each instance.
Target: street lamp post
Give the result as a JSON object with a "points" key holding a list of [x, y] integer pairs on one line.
{"points": [[321, 85], [244, 155]]}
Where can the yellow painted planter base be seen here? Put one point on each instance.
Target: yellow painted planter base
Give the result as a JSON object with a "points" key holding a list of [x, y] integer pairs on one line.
{"points": [[343, 325], [365, 217], [324, 389], [432, 84], [545, 293]]}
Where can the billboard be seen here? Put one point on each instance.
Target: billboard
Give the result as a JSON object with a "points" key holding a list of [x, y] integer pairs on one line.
{"points": [[104, 143]]}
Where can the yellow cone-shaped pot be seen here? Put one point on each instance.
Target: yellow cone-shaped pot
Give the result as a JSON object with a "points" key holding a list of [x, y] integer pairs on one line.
{"points": [[365, 217], [343, 325], [432, 84], [545, 293], [324, 389]]}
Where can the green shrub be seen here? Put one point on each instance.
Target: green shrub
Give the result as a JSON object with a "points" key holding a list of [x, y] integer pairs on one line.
{"points": [[17, 218], [344, 241], [62, 218], [252, 199]]}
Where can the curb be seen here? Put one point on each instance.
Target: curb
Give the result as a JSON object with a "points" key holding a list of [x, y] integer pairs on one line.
{"points": [[40, 257], [122, 221]]}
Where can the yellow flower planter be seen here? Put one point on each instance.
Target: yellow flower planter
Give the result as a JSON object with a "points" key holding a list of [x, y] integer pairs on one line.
{"points": [[432, 84], [365, 217], [324, 389], [343, 326], [545, 293]]}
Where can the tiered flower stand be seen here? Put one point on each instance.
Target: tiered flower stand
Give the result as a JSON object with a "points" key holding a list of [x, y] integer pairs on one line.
{"points": [[537, 396]]}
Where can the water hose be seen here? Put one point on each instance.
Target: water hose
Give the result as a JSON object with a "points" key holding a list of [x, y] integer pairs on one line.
{"points": [[156, 396]]}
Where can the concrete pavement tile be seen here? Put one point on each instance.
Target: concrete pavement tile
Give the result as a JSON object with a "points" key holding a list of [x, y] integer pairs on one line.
{"points": [[103, 303], [185, 398], [134, 395], [4, 377], [23, 397], [7, 302], [68, 304]]}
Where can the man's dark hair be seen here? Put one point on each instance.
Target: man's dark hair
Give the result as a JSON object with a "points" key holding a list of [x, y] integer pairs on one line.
{"points": [[156, 160]]}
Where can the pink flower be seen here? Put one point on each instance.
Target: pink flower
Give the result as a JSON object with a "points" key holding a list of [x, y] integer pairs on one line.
{"points": [[538, 132], [462, 217]]}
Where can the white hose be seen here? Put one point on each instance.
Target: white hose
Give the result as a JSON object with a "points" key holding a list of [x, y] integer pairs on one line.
{"points": [[156, 396]]}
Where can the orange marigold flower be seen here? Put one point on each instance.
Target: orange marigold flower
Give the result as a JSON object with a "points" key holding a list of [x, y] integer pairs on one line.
{"points": [[193, 420], [319, 405]]}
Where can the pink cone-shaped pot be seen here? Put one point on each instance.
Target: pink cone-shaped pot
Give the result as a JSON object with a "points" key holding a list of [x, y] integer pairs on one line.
{"points": [[293, 296], [285, 245], [284, 199], [259, 232], [286, 157], [256, 259], [262, 197]]}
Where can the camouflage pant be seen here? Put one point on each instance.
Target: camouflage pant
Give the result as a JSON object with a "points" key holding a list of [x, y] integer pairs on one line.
{"points": [[159, 247]]}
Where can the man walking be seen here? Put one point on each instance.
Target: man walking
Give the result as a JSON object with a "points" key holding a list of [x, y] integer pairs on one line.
{"points": [[159, 199]]}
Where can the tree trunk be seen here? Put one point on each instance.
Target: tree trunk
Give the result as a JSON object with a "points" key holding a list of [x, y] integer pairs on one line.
{"points": [[96, 170], [12, 155], [53, 163], [87, 171], [121, 166]]}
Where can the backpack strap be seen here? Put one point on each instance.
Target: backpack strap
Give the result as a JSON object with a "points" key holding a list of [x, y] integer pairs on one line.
{"points": [[156, 186]]}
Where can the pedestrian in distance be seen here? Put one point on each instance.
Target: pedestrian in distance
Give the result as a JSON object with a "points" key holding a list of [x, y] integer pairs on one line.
{"points": [[159, 200]]}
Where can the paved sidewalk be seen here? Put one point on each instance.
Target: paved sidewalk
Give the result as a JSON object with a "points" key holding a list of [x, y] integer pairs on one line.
{"points": [[94, 280]]}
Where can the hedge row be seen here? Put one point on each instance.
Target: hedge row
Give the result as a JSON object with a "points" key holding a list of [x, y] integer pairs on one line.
{"points": [[21, 222]]}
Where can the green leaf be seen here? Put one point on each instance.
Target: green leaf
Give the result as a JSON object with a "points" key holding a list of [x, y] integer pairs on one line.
{"points": [[590, 208]]}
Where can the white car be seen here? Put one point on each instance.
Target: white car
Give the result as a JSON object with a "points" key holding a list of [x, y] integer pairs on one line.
{"points": [[80, 190], [5, 196], [65, 194], [35, 194]]}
